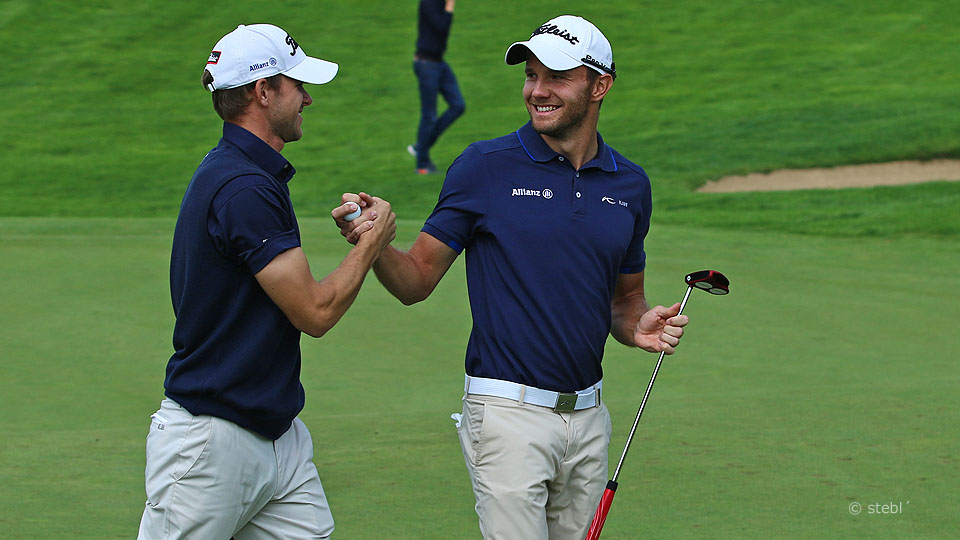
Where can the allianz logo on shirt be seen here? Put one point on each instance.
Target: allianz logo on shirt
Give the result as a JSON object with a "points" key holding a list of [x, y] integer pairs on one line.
{"points": [[548, 194], [524, 192]]}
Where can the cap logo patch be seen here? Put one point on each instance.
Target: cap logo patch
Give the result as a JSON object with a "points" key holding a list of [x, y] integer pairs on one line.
{"points": [[214, 57], [290, 41], [257, 67], [273, 61], [594, 62], [556, 31]]}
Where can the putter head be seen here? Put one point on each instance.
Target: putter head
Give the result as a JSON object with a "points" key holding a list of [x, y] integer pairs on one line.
{"points": [[709, 280]]}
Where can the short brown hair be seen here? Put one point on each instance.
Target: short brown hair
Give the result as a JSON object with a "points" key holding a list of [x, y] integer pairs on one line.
{"points": [[231, 103]]}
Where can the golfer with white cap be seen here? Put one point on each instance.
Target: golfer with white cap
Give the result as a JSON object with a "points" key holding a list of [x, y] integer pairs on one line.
{"points": [[553, 223], [226, 454]]}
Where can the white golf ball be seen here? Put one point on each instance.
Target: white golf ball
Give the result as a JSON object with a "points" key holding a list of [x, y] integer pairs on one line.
{"points": [[352, 215]]}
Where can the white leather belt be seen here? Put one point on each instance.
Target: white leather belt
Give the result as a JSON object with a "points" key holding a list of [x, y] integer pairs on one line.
{"points": [[558, 401]]}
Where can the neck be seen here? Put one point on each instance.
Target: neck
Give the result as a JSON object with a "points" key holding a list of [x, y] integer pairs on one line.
{"points": [[260, 128], [579, 145]]}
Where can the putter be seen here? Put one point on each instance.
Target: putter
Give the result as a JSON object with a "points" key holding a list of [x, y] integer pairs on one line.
{"points": [[708, 280]]}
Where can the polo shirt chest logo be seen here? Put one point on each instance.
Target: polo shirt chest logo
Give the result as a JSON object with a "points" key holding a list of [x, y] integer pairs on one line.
{"points": [[610, 200], [524, 192]]}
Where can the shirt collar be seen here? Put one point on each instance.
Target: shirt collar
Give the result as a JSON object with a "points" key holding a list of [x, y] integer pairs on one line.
{"points": [[539, 151], [259, 151]]}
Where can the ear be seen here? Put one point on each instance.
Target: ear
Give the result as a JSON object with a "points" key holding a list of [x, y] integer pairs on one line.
{"points": [[601, 86], [262, 93]]}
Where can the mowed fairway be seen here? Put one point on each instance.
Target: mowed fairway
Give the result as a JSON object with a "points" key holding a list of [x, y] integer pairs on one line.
{"points": [[826, 377]]}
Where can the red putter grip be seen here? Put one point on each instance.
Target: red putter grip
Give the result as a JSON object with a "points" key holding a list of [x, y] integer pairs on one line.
{"points": [[602, 509]]}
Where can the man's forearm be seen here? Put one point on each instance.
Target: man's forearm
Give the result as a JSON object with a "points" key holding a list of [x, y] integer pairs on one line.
{"points": [[625, 316], [399, 273], [314, 306], [342, 285]]}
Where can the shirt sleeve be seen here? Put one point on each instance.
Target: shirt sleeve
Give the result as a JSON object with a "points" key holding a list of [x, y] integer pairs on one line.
{"points": [[635, 259], [462, 203], [251, 222]]}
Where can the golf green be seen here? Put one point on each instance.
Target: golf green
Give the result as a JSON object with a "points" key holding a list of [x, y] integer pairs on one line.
{"points": [[825, 378]]}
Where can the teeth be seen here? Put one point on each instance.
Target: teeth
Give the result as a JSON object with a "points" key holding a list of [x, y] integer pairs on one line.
{"points": [[545, 108]]}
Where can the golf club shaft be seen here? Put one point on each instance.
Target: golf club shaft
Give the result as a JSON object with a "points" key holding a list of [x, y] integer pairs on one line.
{"points": [[646, 394]]}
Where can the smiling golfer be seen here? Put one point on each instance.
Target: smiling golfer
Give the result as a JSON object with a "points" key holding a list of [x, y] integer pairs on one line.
{"points": [[226, 454], [552, 221]]}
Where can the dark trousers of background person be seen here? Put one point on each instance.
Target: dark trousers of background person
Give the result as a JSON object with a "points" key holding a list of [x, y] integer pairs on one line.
{"points": [[435, 78]]}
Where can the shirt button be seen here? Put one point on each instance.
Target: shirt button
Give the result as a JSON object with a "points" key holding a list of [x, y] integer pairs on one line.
{"points": [[561, 158], [578, 194], [578, 175]]}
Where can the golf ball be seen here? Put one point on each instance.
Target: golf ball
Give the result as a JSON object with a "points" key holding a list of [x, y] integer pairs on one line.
{"points": [[352, 215]]}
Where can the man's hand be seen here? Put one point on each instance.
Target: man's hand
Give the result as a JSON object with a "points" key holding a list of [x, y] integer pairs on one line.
{"points": [[382, 228], [371, 209], [660, 329]]}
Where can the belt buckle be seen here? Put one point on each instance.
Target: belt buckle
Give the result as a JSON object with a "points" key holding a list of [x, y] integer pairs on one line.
{"points": [[565, 402]]}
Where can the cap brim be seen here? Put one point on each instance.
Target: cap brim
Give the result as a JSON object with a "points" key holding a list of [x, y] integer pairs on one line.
{"points": [[313, 71], [548, 55]]}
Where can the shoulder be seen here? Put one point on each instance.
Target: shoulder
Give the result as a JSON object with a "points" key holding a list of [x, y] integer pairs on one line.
{"points": [[250, 192], [480, 157], [227, 160], [633, 179], [219, 168], [236, 173], [627, 166], [484, 149], [248, 181], [510, 141]]}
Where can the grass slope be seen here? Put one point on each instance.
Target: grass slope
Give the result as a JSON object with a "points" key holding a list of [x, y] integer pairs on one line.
{"points": [[111, 120]]}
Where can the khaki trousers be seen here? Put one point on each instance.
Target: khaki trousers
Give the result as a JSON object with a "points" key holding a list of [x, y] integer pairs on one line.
{"points": [[208, 478], [536, 474]]}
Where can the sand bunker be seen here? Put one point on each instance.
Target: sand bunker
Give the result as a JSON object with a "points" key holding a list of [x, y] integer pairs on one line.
{"points": [[877, 174]]}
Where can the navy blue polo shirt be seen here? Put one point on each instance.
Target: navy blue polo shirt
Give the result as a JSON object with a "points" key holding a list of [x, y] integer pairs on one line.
{"points": [[545, 244], [433, 29], [237, 356]]}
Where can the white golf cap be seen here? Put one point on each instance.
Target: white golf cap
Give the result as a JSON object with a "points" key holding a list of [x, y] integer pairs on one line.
{"points": [[258, 51], [566, 42]]}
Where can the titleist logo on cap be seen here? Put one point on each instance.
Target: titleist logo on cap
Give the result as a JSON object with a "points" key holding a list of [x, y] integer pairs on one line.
{"points": [[556, 31], [292, 43]]}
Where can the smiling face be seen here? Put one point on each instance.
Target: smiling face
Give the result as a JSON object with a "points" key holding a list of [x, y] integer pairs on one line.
{"points": [[285, 119], [559, 102]]}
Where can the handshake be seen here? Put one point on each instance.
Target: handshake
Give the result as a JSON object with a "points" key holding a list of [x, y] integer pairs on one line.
{"points": [[364, 219]]}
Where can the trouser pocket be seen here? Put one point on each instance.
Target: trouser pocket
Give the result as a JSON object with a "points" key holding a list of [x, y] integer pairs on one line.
{"points": [[175, 443], [471, 430]]}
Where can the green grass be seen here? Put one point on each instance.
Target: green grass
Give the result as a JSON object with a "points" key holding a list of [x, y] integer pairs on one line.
{"points": [[815, 383], [828, 375], [112, 120], [929, 209]]}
